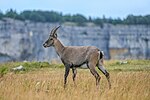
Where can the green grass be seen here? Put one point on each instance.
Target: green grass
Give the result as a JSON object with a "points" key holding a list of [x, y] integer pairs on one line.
{"points": [[28, 66], [3, 71], [131, 65], [112, 65]]}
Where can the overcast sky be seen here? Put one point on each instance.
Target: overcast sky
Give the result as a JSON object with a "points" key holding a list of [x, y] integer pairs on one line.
{"points": [[93, 8]]}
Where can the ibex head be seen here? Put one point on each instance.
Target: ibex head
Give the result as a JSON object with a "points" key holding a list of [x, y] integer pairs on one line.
{"points": [[52, 38]]}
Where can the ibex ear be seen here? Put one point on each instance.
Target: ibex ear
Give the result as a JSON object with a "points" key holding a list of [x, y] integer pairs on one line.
{"points": [[55, 35]]}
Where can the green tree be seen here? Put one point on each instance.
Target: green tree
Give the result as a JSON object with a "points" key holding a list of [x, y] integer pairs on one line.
{"points": [[1, 15], [90, 19], [11, 13], [79, 19], [67, 18], [147, 19], [25, 15], [98, 21], [130, 19], [52, 16], [35, 16]]}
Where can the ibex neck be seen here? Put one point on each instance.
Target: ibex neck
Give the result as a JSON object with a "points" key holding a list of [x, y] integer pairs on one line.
{"points": [[59, 47]]}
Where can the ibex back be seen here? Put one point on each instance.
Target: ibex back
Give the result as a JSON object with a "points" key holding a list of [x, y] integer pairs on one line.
{"points": [[75, 56]]}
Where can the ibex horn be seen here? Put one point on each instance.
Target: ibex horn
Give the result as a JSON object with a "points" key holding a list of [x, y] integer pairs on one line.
{"points": [[55, 29], [51, 33]]}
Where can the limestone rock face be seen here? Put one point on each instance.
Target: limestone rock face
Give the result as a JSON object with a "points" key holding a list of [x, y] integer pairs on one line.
{"points": [[22, 40]]}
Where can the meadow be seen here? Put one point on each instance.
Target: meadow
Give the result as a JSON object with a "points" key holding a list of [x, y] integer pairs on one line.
{"points": [[44, 81]]}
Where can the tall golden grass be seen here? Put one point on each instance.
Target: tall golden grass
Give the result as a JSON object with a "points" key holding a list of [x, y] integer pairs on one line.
{"points": [[47, 84]]}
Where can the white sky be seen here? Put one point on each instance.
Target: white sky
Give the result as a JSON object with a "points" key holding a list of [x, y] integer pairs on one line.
{"points": [[93, 8]]}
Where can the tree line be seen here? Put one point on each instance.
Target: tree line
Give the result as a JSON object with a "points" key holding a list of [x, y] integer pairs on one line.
{"points": [[53, 16]]}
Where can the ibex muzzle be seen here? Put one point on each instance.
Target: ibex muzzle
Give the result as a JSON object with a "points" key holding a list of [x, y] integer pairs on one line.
{"points": [[48, 43], [75, 56]]}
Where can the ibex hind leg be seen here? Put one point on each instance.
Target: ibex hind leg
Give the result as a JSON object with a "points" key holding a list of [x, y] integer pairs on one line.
{"points": [[104, 71], [94, 73]]}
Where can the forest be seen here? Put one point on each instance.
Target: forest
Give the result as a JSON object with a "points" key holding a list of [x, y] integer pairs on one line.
{"points": [[53, 16]]}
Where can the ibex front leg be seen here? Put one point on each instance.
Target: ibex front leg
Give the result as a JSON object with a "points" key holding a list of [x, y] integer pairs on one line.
{"points": [[67, 69]]}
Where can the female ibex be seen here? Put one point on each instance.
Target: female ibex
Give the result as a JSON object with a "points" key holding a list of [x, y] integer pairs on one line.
{"points": [[75, 56]]}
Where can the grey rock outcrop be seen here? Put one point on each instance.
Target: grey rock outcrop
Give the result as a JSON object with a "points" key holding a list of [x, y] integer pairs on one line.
{"points": [[22, 40]]}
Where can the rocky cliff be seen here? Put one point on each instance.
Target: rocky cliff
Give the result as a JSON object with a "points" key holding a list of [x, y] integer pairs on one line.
{"points": [[22, 40]]}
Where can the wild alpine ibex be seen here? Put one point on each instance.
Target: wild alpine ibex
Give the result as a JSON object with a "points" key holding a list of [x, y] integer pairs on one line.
{"points": [[75, 56]]}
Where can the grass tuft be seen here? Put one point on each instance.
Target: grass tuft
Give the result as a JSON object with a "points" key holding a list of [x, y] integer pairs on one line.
{"points": [[3, 71]]}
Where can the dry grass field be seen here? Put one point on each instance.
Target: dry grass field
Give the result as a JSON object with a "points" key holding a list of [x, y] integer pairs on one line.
{"points": [[130, 81]]}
